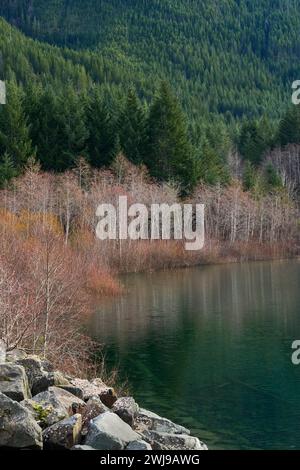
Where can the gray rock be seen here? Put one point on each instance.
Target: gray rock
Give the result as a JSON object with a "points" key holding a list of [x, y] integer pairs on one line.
{"points": [[67, 400], [151, 421], [38, 373], [71, 389], [127, 409], [165, 441], [60, 380], [15, 355], [60, 403], [18, 429], [88, 390], [95, 388], [2, 351], [13, 382], [94, 408], [44, 415], [63, 435], [138, 445], [109, 432], [79, 447]]}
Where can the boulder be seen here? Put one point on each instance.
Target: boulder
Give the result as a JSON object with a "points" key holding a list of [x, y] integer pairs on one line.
{"points": [[138, 445], [18, 429], [127, 409], [65, 399], [109, 432], [79, 447], [15, 355], [88, 390], [74, 390], [146, 420], [2, 351], [63, 435], [13, 382], [94, 408], [44, 415], [95, 388], [107, 394], [59, 403], [165, 441], [38, 373], [60, 380]]}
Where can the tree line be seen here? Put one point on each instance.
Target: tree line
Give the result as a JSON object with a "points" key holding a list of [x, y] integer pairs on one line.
{"points": [[58, 127], [232, 58]]}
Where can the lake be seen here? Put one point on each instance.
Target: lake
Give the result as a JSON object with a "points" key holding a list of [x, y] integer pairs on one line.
{"points": [[210, 348]]}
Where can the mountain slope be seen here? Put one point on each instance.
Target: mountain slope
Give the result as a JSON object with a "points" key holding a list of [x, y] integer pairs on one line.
{"points": [[29, 60], [235, 57]]}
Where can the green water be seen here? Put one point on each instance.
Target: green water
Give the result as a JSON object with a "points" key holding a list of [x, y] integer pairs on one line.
{"points": [[210, 348]]}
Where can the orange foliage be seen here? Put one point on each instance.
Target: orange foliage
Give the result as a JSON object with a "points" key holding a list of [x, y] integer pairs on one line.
{"points": [[49, 248], [102, 283]]}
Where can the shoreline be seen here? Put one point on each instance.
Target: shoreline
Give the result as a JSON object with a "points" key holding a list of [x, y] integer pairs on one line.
{"points": [[44, 409], [208, 260], [184, 267]]}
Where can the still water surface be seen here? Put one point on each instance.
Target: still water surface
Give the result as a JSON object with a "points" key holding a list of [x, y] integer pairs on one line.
{"points": [[210, 347]]}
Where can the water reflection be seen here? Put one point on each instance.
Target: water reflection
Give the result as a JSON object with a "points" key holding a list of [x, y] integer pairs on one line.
{"points": [[210, 347], [159, 300]]}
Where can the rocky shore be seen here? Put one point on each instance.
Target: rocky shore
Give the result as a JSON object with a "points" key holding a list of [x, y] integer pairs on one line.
{"points": [[41, 408]]}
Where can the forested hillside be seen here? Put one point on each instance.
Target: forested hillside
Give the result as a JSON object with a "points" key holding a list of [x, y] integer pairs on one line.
{"points": [[178, 86], [234, 57]]}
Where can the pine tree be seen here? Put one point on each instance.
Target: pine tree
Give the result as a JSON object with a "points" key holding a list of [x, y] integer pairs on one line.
{"points": [[289, 127], [211, 168], [7, 170], [252, 143], [249, 176], [43, 110], [170, 153], [73, 130], [267, 131], [132, 129], [272, 178], [14, 128], [101, 142]]}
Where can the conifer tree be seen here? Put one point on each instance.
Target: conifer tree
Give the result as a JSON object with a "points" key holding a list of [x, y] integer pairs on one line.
{"points": [[101, 141], [43, 110], [289, 127], [249, 176], [170, 153], [252, 143], [272, 178], [210, 167], [7, 170], [132, 129], [73, 130], [14, 127]]}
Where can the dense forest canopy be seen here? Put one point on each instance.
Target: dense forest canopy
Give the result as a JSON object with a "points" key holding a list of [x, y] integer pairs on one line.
{"points": [[233, 57], [179, 86]]}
